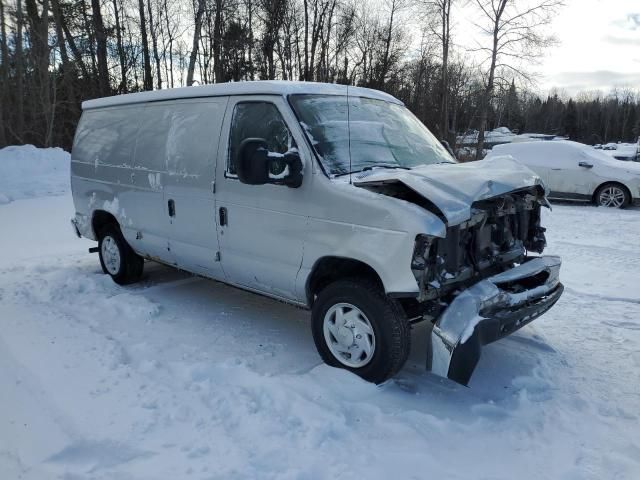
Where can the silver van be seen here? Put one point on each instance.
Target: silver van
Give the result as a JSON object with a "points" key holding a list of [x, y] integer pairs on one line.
{"points": [[332, 198]]}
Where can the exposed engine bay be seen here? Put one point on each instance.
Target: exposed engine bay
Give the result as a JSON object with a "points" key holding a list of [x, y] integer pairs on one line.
{"points": [[499, 234]]}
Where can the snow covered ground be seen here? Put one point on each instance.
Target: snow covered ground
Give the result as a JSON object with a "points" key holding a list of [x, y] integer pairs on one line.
{"points": [[180, 377]]}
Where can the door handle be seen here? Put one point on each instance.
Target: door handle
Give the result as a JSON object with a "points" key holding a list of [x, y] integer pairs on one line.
{"points": [[223, 216], [172, 208], [556, 169], [585, 165]]}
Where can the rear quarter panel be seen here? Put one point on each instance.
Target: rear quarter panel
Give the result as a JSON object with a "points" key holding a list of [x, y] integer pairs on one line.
{"points": [[101, 165]]}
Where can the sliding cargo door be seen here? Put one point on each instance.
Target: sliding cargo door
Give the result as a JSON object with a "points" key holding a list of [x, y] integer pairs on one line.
{"points": [[192, 130]]}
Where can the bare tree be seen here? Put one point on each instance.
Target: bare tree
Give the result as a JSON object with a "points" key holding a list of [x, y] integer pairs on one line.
{"points": [[101, 50], [67, 68], [39, 52], [121, 57], [148, 77], [4, 72], [217, 42], [440, 10], [395, 7], [196, 40], [19, 60], [274, 11], [59, 54], [154, 43], [515, 30]]}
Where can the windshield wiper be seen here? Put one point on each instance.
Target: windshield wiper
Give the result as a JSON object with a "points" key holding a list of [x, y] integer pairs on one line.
{"points": [[371, 167]]}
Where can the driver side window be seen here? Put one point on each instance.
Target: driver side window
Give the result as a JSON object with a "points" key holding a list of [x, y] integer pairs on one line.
{"points": [[259, 120]]}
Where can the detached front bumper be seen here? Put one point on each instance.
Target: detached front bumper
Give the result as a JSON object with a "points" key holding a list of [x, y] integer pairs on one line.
{"points": [[489, 310]]}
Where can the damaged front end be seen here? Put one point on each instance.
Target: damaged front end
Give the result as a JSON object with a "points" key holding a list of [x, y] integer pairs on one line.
{"points": [[479, 284], [489, 310]]}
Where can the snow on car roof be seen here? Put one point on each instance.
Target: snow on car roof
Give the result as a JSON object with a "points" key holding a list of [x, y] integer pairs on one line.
{"points": [[261, 87], [547, 153], [555, 146]]}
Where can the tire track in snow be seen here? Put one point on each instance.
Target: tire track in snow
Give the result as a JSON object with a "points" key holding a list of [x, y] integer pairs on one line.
{"points": [[606, 298]]}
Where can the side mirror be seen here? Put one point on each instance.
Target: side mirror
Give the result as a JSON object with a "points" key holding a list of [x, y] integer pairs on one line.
{"points": [[253, 162], [255, 165]]}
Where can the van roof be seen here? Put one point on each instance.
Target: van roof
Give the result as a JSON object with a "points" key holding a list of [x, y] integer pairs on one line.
{"points": [[264, 87]]}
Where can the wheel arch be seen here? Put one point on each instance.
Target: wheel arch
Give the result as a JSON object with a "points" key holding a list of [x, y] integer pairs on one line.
{"points": [[330, 268], [101, 218]]}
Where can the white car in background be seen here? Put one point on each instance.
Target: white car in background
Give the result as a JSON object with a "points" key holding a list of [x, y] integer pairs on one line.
{"points": [[573, 171]]}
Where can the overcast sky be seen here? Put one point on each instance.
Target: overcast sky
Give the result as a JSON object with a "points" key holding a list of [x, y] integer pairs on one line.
{"points": [[599, 46]]}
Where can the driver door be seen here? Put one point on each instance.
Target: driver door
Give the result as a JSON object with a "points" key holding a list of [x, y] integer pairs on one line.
{"points": [[261, 228]]}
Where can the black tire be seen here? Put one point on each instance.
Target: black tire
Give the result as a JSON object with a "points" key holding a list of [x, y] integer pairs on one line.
{"points": [[612, 185], [130, 265], [387, 318]]}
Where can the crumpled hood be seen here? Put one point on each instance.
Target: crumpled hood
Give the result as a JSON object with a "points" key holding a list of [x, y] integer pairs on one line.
{"points": [[453, 188]]}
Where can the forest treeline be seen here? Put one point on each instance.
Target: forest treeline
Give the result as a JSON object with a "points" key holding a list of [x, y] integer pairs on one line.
{"points": [[56, 53]]}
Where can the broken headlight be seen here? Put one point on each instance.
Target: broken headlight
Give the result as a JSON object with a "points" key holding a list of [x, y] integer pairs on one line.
{"points": [[420, 256]]}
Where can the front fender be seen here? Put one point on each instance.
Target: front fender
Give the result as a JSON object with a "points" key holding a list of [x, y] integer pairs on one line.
{"points": [[388, 252]]}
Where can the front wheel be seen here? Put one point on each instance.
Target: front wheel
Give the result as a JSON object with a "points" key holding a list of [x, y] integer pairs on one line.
{"points": [[117, 258], [357, 327], [612, 195]]}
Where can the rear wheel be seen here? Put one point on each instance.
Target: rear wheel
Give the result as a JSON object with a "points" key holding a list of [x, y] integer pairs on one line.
{"points": [[117, 258], [357, 327], [612, 195]]}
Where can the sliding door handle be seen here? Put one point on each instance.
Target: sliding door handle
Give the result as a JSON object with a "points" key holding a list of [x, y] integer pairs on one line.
{"points": [[171, 205], [223, 216]]}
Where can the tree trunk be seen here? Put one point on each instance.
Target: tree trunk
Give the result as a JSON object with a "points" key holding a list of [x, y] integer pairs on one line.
{"points": [[488, 92], [170, 34], [19, 59], [77, 56], [101, 48], [387, 49], [444, 103], [70, 101], [148, 77], [250, 53], [196, 41], [4, 74], [306, 40], [218, 69], [123, 64], [40, 98], [154, 43]]}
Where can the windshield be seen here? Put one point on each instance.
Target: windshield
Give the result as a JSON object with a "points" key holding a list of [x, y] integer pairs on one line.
{"points": [[380, 134]]}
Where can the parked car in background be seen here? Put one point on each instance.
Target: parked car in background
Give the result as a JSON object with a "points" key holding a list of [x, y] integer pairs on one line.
{"points": [[573, 171]]}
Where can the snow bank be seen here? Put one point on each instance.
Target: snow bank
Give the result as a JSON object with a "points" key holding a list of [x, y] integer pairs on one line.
{"points": [[27, 172]]}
